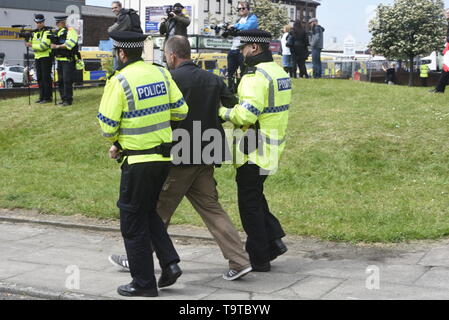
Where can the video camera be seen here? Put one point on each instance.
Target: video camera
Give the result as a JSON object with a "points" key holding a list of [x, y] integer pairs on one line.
{"points": [[169, 11], [224, 30], [24, 33]]}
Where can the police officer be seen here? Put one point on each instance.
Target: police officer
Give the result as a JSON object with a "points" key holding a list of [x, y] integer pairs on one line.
{"points": [[261, 119], [424, 74], [65, 51], [138, 105], [40, 43]]}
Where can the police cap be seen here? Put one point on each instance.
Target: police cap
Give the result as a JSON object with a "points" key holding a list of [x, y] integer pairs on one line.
{"points": [[254, 36], [39, 18], [60, 18], [178, 5], [127, 39]]}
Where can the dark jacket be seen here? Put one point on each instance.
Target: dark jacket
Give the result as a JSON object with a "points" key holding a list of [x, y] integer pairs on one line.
{"points": [[127, 20], [301, 43], [203, 92], [317, 37], [179, 23]]}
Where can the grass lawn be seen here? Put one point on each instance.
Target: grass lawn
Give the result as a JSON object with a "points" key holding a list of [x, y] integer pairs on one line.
{"points": [[364, 162]]}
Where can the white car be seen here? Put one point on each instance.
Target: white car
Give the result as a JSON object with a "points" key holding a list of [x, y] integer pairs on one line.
{"points": [[11, 75]]}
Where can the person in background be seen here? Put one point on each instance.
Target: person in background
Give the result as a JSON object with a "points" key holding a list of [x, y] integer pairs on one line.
{"points": [[287, 59], [390, 73], [175, 24], [424, 74], [40, 43], [300, 49], [444, 78], [317, 45], [247, 21], [127, 19], [64, 53]]}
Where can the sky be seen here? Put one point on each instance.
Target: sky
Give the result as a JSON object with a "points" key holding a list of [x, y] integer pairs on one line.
{"points": [[340, 18]]}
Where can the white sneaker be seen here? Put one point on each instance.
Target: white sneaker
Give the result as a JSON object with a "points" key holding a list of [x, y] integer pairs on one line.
{"points": [[120, 261], [234, 274]]}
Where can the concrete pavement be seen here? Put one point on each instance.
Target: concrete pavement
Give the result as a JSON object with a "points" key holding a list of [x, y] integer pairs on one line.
{"points": [[58, 262]]}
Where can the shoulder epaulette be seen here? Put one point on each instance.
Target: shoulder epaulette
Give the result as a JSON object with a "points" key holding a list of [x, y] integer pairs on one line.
{"points": [[113, 74], [251, 70], [158, 65]]}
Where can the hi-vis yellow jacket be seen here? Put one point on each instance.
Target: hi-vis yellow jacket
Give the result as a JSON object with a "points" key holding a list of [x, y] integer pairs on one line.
{"points": [[41, 44], [71, 40], [264, 99], [137, 106]]}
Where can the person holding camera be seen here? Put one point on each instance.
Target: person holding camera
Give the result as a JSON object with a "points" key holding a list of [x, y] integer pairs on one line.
{"points": [[247, 21], [40, 44], [176, 22], [65, 46]]}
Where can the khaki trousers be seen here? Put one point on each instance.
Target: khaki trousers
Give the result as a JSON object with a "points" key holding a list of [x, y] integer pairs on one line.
{"points": [[197, 183]]}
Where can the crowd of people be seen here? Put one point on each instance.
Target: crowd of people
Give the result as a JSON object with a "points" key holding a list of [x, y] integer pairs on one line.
{"points": [[295, 43]]}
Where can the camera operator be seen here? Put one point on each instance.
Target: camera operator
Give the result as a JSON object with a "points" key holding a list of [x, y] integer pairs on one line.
{"points": [[40, 43], [65, 47], [175, 24], [247, 21]]}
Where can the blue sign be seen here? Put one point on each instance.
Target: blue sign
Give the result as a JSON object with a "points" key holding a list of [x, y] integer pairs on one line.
{"points": [[284, 84], [151, 26], [151, 90]]}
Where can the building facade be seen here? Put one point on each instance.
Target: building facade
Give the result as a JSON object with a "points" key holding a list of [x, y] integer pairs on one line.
{"points": [[306, 10]]}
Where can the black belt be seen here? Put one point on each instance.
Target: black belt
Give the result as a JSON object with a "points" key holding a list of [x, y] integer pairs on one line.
{"points": [[162, 149]]}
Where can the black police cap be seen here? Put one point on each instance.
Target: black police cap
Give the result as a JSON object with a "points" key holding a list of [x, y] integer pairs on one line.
{"points": [[39, 18], [127, 39], [60, 18], [254, 36], [177, 4]]}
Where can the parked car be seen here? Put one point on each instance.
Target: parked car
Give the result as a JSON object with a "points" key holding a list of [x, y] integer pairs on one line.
{"points": [[11, 76]]}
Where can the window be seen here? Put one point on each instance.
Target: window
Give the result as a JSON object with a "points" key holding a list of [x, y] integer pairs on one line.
{"points": [[218, 8], [92, 64], [206, 5], [210, 64]]}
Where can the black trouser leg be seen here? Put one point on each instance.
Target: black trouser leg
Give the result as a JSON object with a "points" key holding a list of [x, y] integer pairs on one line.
{"points": [[140, 224], [38, 64], [45, 87], [424, 82], [259, 224], [61, 80], [302, 67], [444, 78], [66, 71], [234, 61]]}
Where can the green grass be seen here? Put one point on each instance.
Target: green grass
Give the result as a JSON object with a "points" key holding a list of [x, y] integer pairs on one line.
{"points": [[364, 162]]}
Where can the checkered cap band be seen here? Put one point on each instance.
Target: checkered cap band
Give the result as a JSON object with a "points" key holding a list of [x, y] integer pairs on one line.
{"points": [[252, 39], [128, 45]]}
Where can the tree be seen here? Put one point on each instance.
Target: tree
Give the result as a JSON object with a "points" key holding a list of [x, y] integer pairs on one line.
{"points": [[271, 16], [408, 29]]}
